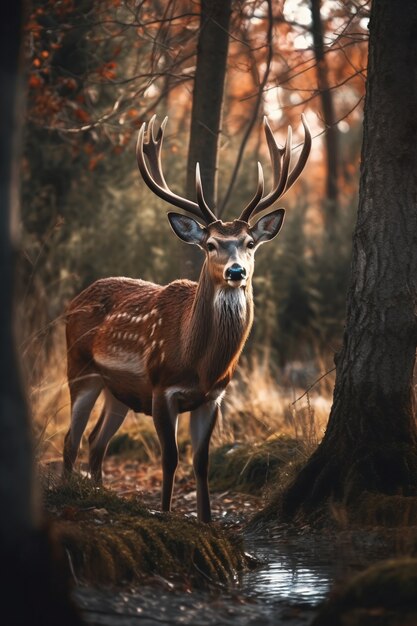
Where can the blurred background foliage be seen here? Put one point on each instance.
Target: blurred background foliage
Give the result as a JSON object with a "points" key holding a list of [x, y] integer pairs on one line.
{"points": [[98, 69]]}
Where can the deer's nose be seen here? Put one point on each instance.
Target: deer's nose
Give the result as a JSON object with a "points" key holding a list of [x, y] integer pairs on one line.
{"points": [[235, 272]]}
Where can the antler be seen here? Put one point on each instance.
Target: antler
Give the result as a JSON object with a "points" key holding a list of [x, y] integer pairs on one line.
{"points": [[155, 178], [283, 178]]}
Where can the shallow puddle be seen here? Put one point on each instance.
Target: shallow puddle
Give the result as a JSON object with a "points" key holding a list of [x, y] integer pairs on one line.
{"points": [[295, 574], [293, 578]]}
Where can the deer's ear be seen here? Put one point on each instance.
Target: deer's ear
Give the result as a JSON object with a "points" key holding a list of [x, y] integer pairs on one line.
{"points": [[186, 228], [268, 226]]}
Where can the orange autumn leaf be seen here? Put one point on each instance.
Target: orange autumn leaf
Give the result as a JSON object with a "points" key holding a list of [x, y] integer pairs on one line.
{"points": [[108, 74], [82, 115], [70, 83], [92, 164], [35, 81]]}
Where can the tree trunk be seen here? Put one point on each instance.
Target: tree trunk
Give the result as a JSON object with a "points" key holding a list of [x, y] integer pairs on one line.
{"points": [[34, 589], [331, 136], [212, 48], [15, 448], [370, 442]]}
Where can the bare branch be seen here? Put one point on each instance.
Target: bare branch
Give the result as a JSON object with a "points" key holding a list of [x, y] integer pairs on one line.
{"points": [[262, 85]]}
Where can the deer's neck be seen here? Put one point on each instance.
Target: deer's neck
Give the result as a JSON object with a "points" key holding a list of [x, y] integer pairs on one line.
{"points": [[219, 323]]}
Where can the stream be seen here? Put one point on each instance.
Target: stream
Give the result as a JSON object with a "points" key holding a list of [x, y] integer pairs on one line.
{"points": [[295, 574]]}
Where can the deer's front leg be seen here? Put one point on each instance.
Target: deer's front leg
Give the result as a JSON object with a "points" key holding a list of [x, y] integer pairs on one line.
{"points": [[202, 423], [165, 417]]}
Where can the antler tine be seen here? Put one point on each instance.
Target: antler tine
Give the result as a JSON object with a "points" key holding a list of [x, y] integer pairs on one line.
{"points": [[280, 159], [275, 152], [246, 213], [279, 186], [280, 173], [302, 159], [204, 207], [154, 178], [152, 148]]}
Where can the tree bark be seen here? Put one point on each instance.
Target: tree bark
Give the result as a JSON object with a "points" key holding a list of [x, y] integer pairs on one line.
{"points": [[15, 447], [370, 441], [34, 587], [212, 49], [331, 136]]}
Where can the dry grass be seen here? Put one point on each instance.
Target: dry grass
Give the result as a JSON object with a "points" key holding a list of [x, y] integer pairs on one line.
{"points": [[260, 406]]}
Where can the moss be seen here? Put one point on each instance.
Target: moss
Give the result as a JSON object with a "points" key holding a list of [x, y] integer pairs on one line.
{"points": [[251, 467], [376, 509], [385, 593], [111, 540], [131, 548], [80, 494], [370, 510]]}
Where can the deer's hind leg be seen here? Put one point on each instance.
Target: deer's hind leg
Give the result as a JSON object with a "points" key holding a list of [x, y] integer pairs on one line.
{"points": [[110, 420], [84, 391]]}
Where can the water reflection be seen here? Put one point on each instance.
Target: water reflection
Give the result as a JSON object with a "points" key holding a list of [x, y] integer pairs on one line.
{"points": [[292, 580], [278, 582], [291, 572]]}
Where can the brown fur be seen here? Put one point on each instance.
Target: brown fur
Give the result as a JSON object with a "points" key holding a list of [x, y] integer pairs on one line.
{"points": [[198, 353]]}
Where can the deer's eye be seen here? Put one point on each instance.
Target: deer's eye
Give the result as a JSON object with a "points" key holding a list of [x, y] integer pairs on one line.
{"points": [[211, 247], [251, 244]]}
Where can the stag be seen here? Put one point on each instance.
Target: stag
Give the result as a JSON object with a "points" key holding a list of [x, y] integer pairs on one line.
{"points": [[166, 350]]}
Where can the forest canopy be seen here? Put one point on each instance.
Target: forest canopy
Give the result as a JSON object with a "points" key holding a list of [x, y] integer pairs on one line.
{"points": [[97, 70]]}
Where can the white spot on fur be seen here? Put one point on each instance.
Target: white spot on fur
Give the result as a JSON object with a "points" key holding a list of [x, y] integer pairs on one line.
{"points": [[159, 321], [162, 356], [122, 361], [153, 329]]}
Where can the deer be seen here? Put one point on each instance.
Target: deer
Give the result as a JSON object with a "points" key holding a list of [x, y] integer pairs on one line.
{"points": [[167, 350]]}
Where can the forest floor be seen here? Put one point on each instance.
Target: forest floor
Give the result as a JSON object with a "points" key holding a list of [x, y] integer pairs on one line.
{"points": [[250, 599], [261, 443], [296, 568]]}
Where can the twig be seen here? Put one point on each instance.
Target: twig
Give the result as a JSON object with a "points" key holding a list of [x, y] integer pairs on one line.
{"points": [[71, 566], [312, 385]]}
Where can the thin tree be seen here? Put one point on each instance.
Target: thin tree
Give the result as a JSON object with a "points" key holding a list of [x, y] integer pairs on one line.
{"points": [[207, 104], [370, 441], [331, 137]]}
